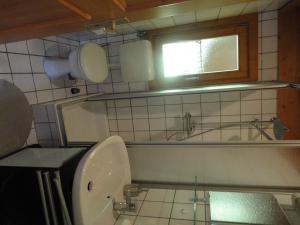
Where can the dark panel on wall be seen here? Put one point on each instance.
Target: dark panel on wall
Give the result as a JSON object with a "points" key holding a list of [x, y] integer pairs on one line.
{"points": [[289, 67]]}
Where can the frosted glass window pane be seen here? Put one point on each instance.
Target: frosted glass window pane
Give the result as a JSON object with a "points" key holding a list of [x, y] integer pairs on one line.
{"points": [[220, 54], [200, 56]]}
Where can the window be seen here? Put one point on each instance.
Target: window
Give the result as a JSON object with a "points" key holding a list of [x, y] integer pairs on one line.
{"points": [[186, 58], [206, 53]]}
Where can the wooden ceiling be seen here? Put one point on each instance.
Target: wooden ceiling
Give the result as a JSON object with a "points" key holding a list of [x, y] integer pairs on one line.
{"points": [[184, 13]]}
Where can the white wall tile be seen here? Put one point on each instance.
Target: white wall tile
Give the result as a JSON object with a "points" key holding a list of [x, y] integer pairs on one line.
{"points": [[36, 46], [51, 48], [157, 111], [37, 64], [213, 136], [269, 74], [106, 88], [4, 63], [120, 87], [138, 86], [155, 101], [173, 110], [41, 81], [210, 108], [269, 44], [127, 136], [230, 96], [92, 89], [210, 97], [2, 48], [123, 113], [141, 136], [111, 113], [175, 123], [158, 135], [269, 94], [116, 76], [122, 103], [251, 95], [24, 82], [269, 106], [113, 125], [157, 124], [230, 108], [175, 99], [194, 98], [19, 63], [44, 96], [139, 102], [194, 109], [230, 118], [59, 93], [269, 60], [269, 28], [141, 124], [125, 125], [251, 107], [17, 47], [139, 112], [231, 135]]}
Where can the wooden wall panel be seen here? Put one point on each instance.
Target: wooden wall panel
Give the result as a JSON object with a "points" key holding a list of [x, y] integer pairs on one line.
{"points": [[289, 67]]}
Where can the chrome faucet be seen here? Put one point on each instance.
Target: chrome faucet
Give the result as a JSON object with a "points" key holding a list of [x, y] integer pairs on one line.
{"points": [[129, 191]]}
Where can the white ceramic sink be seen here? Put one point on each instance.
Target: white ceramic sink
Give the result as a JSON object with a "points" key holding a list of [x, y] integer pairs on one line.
{"points": [[100, 178]]}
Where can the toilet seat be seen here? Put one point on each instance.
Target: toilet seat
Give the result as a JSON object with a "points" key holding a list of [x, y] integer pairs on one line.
{"points": [[89, 62]]}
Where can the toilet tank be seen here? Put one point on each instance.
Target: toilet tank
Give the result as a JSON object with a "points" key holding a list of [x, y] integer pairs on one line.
{"points": [[137, 61], [99, 179]]}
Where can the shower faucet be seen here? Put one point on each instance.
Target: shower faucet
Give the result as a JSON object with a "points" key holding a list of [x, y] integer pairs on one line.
{"points": [[129, 191]]}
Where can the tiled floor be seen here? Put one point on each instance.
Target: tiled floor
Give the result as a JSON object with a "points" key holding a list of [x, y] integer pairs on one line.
{"points": [[175, 207], [166, 207]]}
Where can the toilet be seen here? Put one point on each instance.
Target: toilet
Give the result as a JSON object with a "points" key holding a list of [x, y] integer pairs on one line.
{"points": [[87, 62], [99, 180]]}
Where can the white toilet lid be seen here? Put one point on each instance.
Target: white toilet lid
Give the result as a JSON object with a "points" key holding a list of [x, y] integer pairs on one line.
{"points": [[93, 62]]}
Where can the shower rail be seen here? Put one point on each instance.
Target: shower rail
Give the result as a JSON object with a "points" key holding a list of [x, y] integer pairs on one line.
{"points": [[258, 144], [197, 90]]}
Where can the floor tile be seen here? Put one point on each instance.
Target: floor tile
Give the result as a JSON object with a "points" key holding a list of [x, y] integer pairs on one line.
{"points": [[139, 204], [186, 212], [141, 196], [185, 222], [156, 209], [162, 195], [125, 220], [151, 221], [187, 196]]}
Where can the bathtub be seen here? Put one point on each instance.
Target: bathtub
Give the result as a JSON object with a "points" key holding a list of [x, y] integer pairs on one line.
{"points": [[266, 164]]}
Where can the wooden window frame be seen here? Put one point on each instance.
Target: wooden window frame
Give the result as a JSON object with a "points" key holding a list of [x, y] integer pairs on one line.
{"points": [[246, 27]]}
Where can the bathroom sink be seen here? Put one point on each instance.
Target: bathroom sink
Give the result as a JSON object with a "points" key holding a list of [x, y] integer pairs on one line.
{"points": [[99, 179]]}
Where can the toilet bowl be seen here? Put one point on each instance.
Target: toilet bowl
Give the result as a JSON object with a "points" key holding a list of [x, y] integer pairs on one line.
{"points": [[87, 62], [99, 180]]}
